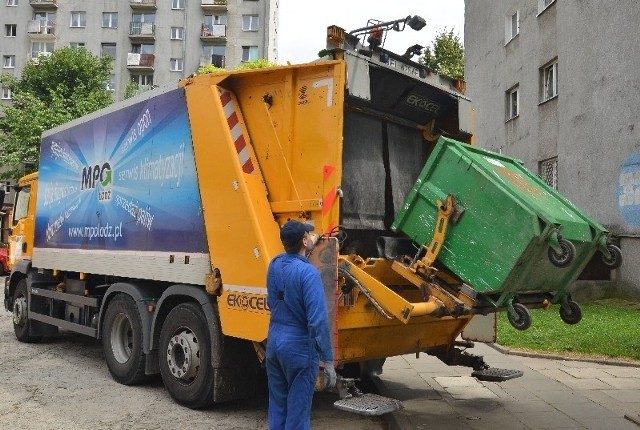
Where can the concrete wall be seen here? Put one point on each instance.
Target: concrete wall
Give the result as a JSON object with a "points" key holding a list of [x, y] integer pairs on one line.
{"points": [[592, 126]]}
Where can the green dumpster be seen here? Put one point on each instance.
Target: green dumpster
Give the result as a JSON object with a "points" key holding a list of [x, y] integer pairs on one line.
{"points": [[515, 235]]}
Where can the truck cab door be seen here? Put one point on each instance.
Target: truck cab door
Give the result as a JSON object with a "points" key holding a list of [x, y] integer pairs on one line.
{"points": [[23, 222]]}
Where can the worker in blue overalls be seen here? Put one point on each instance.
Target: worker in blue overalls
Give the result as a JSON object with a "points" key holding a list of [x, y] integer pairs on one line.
{"points": [[299, 342]]}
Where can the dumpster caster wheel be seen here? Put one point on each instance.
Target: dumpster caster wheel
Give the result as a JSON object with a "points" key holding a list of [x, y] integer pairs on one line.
{"points": [[564, 258], [616, 257], [571, 313], [519, 317]]}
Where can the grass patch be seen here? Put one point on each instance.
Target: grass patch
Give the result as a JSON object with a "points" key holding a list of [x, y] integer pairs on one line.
{"points": [[609, 328]]}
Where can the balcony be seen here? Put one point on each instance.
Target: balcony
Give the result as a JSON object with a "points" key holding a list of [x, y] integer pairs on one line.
{"points": [[143, 4], [142, 31], [41, 30], [34, 56], [137, 61], [214, 5], [44, 4], [213, 33]]}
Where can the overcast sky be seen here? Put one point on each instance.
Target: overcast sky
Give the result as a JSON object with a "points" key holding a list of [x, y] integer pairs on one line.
{"points": [[303, 23]]}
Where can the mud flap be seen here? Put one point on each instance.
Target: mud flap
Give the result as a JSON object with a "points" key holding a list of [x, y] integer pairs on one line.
{"points": [[368, 404], [494, 374]]}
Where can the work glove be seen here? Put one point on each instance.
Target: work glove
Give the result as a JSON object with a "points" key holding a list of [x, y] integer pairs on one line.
{"points": [[329, 373]]}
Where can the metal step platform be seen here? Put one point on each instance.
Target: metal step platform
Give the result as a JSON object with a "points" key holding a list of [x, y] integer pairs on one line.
{"points": [[494, 374], [368, 404]]}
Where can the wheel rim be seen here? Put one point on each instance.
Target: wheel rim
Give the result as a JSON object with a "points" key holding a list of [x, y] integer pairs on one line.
{"points": [[183, 355], [121, 338], [20, 311]]}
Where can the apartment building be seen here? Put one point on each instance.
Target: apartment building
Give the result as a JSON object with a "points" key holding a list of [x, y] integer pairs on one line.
{"points": [[152, 42], [556, 84]]}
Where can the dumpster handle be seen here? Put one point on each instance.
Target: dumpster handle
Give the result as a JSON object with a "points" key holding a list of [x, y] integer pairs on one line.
{"points": [[445, 211]]}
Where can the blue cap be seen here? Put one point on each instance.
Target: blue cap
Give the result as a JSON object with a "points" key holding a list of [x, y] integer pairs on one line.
{"points": [[293, 231]]}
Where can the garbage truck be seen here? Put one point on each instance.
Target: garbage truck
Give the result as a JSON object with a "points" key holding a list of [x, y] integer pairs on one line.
{"points": [[151, 223]]}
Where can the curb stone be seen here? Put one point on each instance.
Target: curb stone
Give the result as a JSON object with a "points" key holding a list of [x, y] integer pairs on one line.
{"points": [[531, 354]]}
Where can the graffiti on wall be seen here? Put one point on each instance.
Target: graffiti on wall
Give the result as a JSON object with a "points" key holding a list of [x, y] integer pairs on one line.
{"points": [[629, 190]]}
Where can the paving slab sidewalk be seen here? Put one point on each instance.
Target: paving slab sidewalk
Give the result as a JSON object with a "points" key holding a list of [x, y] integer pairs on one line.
{"points": [[552, 394]]}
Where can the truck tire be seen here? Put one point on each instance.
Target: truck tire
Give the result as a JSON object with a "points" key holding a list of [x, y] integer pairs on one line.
{"points": [[185, 356], [21, 323], [122, 341]]}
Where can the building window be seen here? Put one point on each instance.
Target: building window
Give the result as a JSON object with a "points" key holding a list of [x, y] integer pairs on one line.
{"points": [[78, 19], [212, 54], [142, 48], [108, 50], [549, 78], [110, 19], [41, 48], [149, 18], [6, 93], [511, 26], [176, 65], [47, 22], [12, 2], [249, 22], [143, 80], [9, 62], [513, 102], [177, 4], [76, 45], [249, 53], [215, 19], [111, 85], [177, 33], [549, 172], [10, 30], [544, 4]]}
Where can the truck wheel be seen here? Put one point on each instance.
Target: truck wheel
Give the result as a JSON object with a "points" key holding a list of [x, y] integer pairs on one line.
{"points": [[122, 341], [185, 356], [616, 257], [571, 313], [21, 323], [520, 317]]}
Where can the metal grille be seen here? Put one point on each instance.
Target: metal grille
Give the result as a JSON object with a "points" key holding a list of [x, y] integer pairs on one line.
{"points": [[549, 172]]}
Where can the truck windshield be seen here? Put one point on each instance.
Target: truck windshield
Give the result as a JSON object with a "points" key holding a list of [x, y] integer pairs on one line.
{"points": [[22, 204]]}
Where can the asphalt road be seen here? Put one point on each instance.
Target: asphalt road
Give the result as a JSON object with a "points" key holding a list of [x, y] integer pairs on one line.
{"points": [[63, 383]]}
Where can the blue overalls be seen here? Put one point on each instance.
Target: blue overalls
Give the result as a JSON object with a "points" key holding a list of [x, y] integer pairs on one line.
{"points": [[298, 338]]}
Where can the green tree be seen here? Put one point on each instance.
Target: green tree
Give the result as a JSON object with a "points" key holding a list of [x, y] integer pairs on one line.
{"points": [[51, 91], [445, 55], [262, 63], [210, 68], [247, 65]]}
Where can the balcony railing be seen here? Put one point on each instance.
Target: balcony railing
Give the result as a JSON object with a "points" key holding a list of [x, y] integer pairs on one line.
{"points": [[140, 60], [213, 31], [214, 4], [142, 4], [142, 29], [44, 4], [41, 27]]}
